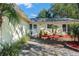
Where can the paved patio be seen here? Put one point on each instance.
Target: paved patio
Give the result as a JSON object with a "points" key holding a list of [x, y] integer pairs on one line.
{"points": [[36, 48]]}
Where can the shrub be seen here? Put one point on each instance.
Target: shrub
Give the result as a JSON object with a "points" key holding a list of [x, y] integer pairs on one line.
{"points": [[74, 30], [11, 49], [24, 39]]}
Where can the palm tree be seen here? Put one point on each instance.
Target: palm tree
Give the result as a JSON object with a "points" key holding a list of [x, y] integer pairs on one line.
{"points": [[9, 11]]}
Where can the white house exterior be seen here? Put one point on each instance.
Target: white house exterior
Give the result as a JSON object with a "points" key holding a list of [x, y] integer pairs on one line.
{"points": [[33, 26], [42, 23], [10, 34]]}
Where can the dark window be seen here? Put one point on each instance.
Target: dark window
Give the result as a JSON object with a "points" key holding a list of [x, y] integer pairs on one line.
{"points": [[49, 25], [30, 26], [35, 26], [64, 27]]}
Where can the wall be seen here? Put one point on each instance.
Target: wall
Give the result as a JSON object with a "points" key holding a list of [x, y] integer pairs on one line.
{"points": [[9, 34], [40, 26], [6, 31], [43, 25]]}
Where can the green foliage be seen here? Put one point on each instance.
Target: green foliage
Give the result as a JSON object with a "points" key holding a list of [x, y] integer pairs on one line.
{"points": [[54, 27], [24, 39], [62, 10], [74, 29], [43, 14], [9, 11], [41, 32], [68, 10], [11, 49]]}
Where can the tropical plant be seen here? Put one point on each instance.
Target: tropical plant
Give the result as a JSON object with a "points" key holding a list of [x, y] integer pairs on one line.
{"points": [[12, 49], [24, 39], [54, 27], [74, 30], [8, 11]]}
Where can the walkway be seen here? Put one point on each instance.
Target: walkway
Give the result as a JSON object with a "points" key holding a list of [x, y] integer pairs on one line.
{"points": [[36, 48]]}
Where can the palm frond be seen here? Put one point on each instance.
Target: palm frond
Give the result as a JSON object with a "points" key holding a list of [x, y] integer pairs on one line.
{"points": [[9, 11]]}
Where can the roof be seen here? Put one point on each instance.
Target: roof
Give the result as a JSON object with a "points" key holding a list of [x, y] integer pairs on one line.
{"points": [[22, 15], [52, 19]]}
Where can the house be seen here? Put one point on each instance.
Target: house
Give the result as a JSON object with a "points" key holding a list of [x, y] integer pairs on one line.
{"points": [[11, 34], [47, 23]]}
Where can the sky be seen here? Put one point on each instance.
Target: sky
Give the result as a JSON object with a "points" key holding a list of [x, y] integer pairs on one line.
{"points": [[32, 10]]}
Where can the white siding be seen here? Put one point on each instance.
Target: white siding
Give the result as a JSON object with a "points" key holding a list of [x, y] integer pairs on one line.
{"points": [[6, 31], [9, 34]]}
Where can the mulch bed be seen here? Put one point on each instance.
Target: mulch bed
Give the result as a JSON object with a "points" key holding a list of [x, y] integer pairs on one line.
{"points": [[73, 45], [54, 36]]}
